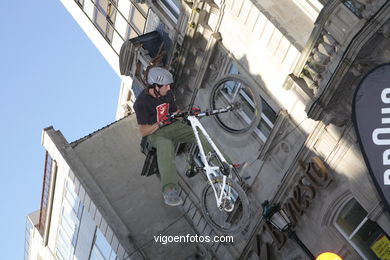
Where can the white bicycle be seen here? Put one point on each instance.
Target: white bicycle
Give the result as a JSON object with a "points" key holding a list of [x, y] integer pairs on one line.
{"points": [[224, 203]]}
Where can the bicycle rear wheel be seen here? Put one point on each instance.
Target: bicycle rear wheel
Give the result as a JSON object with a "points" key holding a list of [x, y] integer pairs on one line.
{"points": [[234, 89], [233, 216]]}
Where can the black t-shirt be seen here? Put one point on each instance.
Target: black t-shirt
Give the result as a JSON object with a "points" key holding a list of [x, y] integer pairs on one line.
{"points": [[150, 110]]}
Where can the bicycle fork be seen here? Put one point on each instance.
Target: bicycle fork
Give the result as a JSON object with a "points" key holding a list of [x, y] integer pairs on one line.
{"points": [[222, 191], [225, 190]]}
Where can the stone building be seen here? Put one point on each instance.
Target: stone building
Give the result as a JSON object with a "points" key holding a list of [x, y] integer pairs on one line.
{"points": [[96, 205], [306, 58]]}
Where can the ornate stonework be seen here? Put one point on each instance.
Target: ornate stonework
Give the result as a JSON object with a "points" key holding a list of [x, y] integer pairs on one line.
{"points": [[373, 53]]}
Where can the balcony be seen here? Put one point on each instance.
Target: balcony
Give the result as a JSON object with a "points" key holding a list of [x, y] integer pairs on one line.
{"points": [[340, 33]]}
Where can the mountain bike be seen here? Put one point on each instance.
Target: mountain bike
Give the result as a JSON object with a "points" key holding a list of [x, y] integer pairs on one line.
{"points": [[224, 203]]}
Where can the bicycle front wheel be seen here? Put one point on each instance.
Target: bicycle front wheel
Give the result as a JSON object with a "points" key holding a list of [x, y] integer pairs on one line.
{"points": [[233, 215], [234, 89]]}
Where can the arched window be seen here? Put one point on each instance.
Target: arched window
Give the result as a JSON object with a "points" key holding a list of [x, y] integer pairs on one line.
{"points": [[363, 234]]}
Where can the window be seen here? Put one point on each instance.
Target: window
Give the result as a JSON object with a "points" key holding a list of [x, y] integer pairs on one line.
{"points": [[107, 8], [121, 25], [354, 224], [116, 20], [69, 224], [268, 118], [103, 15], [268, 115], [45, 193], [27, 239], [89, 9], [130, 20], [354, 8], [101, 248], [80, 2], [172, 8], [137, 20], [103, 18]]}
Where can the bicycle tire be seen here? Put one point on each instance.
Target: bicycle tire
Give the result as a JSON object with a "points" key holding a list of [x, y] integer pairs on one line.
{"points": [[239, 216], [246, 118]]}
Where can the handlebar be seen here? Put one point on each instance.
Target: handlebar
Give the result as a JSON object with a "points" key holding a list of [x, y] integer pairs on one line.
{"points": [[207, 112]]}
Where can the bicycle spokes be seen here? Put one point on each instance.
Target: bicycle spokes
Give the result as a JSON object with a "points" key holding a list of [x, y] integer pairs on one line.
{"points": [[235, 90], [230, 212]]}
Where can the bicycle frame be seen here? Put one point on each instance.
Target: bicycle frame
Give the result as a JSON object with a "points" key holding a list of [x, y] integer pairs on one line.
{"points": [[211, 171]]}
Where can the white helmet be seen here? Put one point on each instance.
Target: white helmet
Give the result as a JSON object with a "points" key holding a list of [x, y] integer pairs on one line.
{"points": [[160, 76]]}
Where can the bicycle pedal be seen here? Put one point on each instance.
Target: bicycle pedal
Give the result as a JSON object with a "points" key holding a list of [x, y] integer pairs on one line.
{"points": [[191, 173]]}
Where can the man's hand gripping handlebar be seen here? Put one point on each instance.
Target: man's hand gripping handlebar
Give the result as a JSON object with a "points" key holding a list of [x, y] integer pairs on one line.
{"points": [[198, 113]]}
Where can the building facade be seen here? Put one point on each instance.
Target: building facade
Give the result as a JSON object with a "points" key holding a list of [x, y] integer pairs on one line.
{"points": [[306, 59], [96, 205], [110, 23], [68, 225]]}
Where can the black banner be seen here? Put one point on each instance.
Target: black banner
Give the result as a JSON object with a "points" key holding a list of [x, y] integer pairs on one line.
{"points": [[371, 116]]}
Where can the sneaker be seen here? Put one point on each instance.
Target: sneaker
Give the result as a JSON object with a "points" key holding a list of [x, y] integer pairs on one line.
{"points": [[172, 198]]}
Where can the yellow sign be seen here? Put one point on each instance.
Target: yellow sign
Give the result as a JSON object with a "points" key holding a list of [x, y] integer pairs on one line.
{"points": [[381, 247]]}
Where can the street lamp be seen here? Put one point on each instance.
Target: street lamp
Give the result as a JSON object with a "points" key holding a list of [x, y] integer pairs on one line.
{"points": [[275, 215], [328, 256]]}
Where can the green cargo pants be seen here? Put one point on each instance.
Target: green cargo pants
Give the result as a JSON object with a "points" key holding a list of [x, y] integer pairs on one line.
{"points": [[165, 140]]}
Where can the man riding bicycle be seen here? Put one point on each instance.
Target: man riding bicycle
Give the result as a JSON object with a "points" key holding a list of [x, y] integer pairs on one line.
{"points": [[152, 108]]}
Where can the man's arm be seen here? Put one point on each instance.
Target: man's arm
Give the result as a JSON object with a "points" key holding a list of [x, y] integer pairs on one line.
{"points": [[146, 130]]}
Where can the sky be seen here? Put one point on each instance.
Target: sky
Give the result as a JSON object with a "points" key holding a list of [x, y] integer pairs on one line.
{"points": [[51, 75]]}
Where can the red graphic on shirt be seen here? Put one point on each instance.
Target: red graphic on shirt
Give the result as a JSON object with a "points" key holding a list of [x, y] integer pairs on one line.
{"points": [[162, 112]]}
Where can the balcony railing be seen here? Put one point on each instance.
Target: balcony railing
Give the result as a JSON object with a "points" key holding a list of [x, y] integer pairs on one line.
{"points": [[337, 25]]}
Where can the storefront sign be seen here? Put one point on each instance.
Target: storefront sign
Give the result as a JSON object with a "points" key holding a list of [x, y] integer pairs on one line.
{"points": [[314, 176], [381, 247], [371, 116]]}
